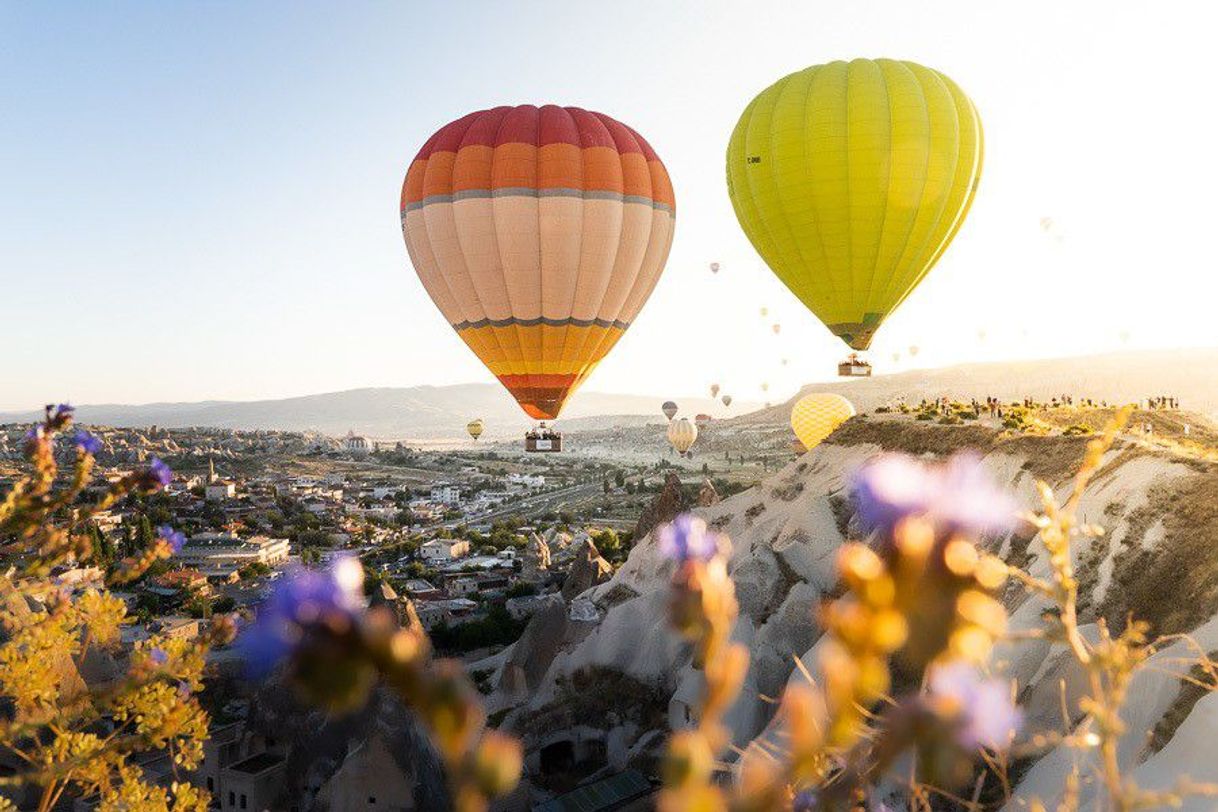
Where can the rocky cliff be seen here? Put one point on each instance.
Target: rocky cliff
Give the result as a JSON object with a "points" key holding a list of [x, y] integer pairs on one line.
{"points": [[1158, 561]]}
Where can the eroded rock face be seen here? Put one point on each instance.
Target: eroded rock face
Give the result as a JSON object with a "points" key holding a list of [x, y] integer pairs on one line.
{"points": [[785, 536], [536, 560], [588, 569], [668, 504], [707, 495]]}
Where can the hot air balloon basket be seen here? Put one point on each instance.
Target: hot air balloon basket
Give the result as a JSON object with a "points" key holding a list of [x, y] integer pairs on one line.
{"points": [[854, 369], [543, 441]]}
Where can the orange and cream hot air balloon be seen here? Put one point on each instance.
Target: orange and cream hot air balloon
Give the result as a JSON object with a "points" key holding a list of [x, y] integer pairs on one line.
{"points": [[714, 389], [539, 232]]}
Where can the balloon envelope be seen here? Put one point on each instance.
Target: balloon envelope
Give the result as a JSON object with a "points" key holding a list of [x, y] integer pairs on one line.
{"points": [[714, 389], [714, 266], [681, 434], [814, 417], [727, 400], [539, 232], [474, 427], [851, 179], [669, 409]]}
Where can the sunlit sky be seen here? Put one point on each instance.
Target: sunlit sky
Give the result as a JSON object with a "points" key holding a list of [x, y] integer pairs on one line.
{"points": [[199, 200]]}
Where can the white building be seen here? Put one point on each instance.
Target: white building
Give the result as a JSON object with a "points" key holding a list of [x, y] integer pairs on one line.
{"points": [[442, 551], [446, 494], [354, 444], [219, 491], [527, 481], [219, 555]]}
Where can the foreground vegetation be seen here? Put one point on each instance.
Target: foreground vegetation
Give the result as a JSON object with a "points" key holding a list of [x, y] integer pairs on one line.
{"points": [[903, 667]]}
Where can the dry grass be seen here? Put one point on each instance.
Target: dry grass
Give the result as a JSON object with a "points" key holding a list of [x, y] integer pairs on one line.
{"points": [[1174, 585]]}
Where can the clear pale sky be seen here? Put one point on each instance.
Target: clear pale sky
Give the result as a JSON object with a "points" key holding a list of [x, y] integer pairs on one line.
{"points": [[199, 200]]}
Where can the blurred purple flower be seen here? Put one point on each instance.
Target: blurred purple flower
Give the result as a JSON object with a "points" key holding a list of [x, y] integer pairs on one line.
{"points": [[176, 539], [687, 538], [158, 474], [890, 488], [158, 656], [957, 495], [86, 442], [969, 499], [303, 598], [987, 716], [805, 801]]}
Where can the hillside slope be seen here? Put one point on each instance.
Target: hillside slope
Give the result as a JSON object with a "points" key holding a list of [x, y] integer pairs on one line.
{"points": [[1189, 375], [1158, 561]]}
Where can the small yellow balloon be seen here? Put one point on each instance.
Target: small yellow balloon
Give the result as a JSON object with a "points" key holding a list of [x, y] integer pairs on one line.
{"points": [[816, 416], [682, 433], [474, 427]]}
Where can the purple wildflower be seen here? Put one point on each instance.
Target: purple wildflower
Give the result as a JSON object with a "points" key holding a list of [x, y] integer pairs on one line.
{"points": [[986, 715], [805, 801], [158, 474], [158, 656], [302, 599], [957, 495], [687, 538], [59, 412], [86, 442], [176, 539]]}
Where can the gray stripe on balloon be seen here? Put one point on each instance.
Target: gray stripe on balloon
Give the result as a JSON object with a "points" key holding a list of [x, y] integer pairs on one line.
{"points": [[524, 191], [512, 321]]}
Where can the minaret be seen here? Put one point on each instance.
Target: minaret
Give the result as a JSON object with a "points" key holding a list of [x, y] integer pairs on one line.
{"points": [[211, 470]]}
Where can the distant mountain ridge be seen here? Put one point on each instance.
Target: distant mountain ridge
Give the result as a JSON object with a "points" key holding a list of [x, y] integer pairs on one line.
{"points": [[440, 412], [420, 412]]}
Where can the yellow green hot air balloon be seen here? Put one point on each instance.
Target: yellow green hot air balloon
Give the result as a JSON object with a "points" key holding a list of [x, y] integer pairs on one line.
{"points": [[814, 417], [850, 179], [474, 427]]}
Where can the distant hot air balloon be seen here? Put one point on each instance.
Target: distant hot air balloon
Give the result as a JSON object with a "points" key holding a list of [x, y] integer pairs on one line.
{"points": [[814, 417], [896, 356], [1052, 229], [539, 232], [765, 311], [784, 362], [765, 387], [727, 400], [681, 434], [981, 335], [714, 266], [851, 179], [913, 350], [669, 409], [777, 328], [714, 390], [474, 427]]}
